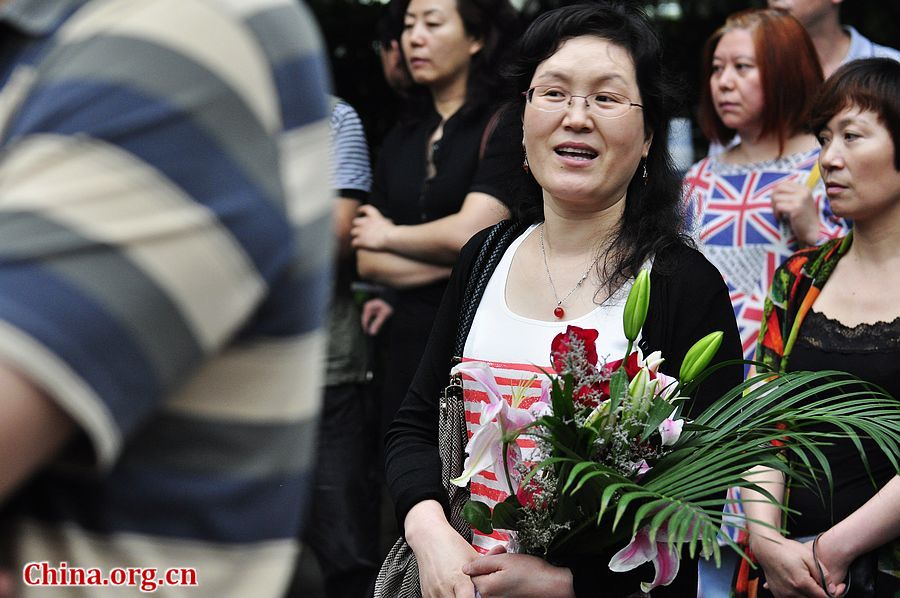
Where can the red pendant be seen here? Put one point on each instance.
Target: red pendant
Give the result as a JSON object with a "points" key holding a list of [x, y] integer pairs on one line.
{"points": [[559, 312]]}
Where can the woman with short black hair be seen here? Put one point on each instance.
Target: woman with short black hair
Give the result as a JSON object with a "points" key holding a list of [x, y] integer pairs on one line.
{"points": [[835, 307]]}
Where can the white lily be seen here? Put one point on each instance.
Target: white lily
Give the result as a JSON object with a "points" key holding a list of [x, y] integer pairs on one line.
{"points": [[652, 361], [500, 423]]}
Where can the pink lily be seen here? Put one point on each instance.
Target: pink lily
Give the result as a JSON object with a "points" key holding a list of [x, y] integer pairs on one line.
{"points": [[501, 423], [643, 468], [670, 430], [666, 385], [641, 550]]}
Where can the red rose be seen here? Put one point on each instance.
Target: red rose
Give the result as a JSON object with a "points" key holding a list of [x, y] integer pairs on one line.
{"points": [[591, 395], [631, 370], [775, 441], [562, 345], [529, 495]]}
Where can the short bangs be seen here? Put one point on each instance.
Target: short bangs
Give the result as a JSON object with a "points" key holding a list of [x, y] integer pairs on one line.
{"points": [[870, 84]]}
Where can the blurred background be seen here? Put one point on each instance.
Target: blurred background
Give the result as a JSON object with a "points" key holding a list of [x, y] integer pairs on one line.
{"points": [[350, 29]]}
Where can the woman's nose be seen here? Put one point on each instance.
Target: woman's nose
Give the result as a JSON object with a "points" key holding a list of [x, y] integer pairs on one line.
{"points": [[725, 78], [577, 113], [830, 157], [416, 34]]}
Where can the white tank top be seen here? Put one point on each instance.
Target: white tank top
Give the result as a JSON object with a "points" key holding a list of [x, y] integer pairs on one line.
{"points": [[518, 348]]}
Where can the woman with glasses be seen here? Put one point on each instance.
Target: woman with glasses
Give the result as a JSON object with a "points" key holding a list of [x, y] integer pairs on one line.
{"points": [[759, 201], [594, 109], [437, 181]]}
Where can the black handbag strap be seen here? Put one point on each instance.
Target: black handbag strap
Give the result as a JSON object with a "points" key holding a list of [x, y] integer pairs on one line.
{"points": [[399, 575], [452, 437], [495, 244]]}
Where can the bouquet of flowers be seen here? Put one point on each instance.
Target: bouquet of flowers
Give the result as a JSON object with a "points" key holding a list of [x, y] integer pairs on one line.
{"points": [[617, 459]]}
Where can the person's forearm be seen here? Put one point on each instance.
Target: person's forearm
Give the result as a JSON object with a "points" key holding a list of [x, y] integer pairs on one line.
{"points": [[868, 527], [396, 271], [439, 241], [344, 211], [421, 521], [763, 516], [32, 429]]}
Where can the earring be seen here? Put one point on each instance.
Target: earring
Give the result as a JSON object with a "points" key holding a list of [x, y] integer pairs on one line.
{"points": [[644, 172], [525, 165]]}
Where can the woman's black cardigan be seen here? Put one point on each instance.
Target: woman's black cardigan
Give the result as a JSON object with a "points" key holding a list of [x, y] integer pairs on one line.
{"points": [[688, 300]]}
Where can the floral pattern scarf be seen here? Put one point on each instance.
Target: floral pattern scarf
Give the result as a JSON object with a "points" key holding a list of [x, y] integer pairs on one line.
{"points": [[794, 289]]}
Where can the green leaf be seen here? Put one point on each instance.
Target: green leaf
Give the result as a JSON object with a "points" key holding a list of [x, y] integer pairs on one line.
{"points": [[618, 383], [478, 515], [507, 513], [626, 499], [576, 471], [662, 516], [684, 490], [659, 411], [563, 387], [591, 476]]}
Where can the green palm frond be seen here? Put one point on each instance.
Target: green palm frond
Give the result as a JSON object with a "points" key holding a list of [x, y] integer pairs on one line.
{"points": [[781, 423]]}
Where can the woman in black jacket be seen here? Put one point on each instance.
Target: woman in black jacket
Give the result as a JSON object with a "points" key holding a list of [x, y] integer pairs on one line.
{"points": [[594, 113], [441, 173]]}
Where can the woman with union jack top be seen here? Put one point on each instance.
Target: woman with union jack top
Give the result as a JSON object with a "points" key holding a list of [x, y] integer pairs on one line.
{"points": [[760, 200]]}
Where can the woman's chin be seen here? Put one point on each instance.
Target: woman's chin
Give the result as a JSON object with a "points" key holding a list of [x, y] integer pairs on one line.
{"points": [[582, 201]]}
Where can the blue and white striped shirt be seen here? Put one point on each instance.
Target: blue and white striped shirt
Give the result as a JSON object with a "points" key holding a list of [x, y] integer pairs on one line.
{"points": [[164, 277]]}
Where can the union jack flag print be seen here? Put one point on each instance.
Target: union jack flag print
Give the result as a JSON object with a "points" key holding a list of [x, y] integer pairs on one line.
{"points": [[730, 209]]}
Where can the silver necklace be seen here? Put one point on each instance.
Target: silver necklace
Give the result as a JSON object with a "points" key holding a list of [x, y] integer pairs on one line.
{"points": [[558, 311]]}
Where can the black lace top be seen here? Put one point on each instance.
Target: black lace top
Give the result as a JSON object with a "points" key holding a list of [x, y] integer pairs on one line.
{"points": [[871, 352]]}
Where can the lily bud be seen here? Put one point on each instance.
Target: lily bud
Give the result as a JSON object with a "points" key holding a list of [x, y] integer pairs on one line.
{"points": [[636, 306], [638, 386], [699, 356], [599, 412]]}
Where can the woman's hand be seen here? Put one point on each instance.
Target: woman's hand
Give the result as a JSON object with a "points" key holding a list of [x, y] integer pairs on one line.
{"points": [[441, 559], [518, 576], [370, 229], [874, 524], [789, 566], [835, 563], [793, 202], [440, 552], [375, 312]]}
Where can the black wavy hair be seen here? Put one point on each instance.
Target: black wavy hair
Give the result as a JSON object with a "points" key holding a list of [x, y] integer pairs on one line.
{"points": [[653, 217], [496, 23]]}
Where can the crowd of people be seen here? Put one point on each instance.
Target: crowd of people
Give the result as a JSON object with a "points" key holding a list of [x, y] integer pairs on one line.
{"points": [[185, 364]]}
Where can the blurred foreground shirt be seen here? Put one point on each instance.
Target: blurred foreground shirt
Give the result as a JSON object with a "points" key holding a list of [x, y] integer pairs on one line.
{"points": [[165, 257]]}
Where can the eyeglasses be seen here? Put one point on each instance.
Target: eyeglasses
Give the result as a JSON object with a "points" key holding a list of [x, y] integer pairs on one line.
{"points": [[605, 104]]}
